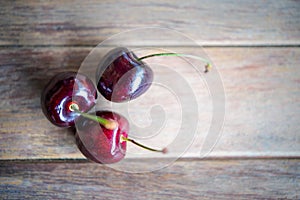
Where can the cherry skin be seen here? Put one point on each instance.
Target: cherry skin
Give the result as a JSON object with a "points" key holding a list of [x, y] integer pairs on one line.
{"points": [[100, 144], [121, 76], [61, 91]]}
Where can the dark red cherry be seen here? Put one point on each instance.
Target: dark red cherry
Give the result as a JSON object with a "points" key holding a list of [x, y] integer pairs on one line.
{"points": [[99, 143], [121, 76], [63, 90], [103, 137]]}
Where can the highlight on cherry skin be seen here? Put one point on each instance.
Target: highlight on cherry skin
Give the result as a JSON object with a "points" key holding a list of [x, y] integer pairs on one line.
{"points": [[121, 76], [64, 89], [103, 137]]}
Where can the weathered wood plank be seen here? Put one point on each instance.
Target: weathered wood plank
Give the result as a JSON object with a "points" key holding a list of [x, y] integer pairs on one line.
{"points": [[262, 103], [192, 179], [208, 22]]}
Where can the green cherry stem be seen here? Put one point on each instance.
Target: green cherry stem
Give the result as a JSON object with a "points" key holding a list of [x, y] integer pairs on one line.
{"points": [[208, 65], [164, 150], [109, 124]]}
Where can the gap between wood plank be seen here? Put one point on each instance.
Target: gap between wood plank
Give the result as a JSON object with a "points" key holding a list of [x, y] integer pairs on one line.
{"points": [[182, 159], [294, 45]]}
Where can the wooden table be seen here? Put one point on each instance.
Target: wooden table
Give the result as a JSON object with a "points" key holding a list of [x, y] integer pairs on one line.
{"points": [[255, 48]]}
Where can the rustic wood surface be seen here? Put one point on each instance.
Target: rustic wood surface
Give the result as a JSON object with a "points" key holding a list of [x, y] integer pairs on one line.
{"points": [[185, 179], [208, 22], [254, 45]]}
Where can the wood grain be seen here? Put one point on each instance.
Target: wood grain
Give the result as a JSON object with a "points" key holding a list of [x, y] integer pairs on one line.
{"points": [[192, 179], [207, 22], [254, 46], [262, 103]]}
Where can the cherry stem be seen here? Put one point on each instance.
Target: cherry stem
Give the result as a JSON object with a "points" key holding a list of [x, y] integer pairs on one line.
{"points": [[208, 65], [109, 124], [164, 150]]}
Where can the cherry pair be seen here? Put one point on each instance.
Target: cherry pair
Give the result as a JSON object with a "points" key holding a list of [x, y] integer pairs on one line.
{"points": [[121, 76]]}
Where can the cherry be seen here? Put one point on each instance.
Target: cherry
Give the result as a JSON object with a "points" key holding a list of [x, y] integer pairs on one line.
{"points": [[63, 90], [103, 137], [122, 76], [101, 144]]}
